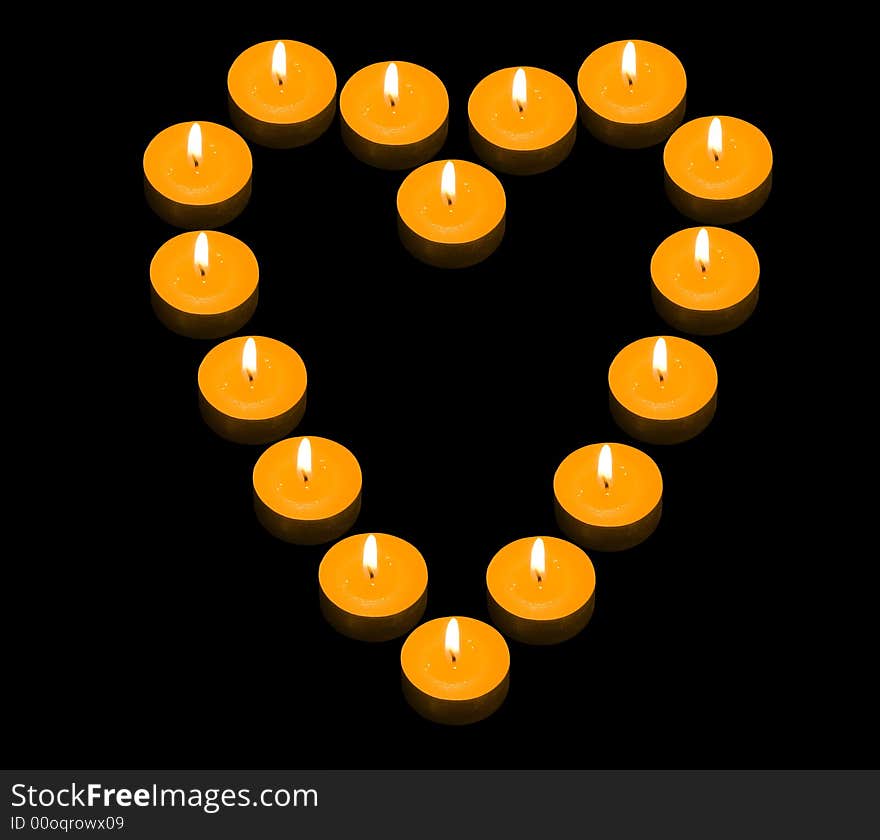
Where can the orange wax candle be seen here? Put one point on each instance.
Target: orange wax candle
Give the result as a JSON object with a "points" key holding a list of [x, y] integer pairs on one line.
{"points": [[663, 389], [252, 390], [282, 93], [718, 169], [705, 280], [523, 120], [455, 670], [394, 115], [197, 175], [631, 93], [451, 214], [204, 285], [541, 590], [374, 587], [307, 490], [608, 496]]}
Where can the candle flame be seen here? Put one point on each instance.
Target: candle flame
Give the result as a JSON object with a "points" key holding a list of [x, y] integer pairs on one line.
{"points": [[392, 84], [304, 459], [249, 359], [628, 63], [715, 139], [279, 63], [200, 254], [538, 560], [194, 144], [447, 182], [371, 556], [701, 249], [520, 94], [605, 471], [660, 359], [453, 639]]}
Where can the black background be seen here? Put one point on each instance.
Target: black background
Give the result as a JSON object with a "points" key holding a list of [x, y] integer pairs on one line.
{"points": [[157, 624]]}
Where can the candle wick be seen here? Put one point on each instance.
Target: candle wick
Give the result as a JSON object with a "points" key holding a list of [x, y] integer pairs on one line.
{"points": [[195, 162], [702, 266], [449, 200], [539, 577], [371, 574], [629, 80], [392, 101], [280, 82], [715, 155], [202, 270], [452, 656], [519, 105], [606, 482], [306, 481], [250, 375], [660, 376]]}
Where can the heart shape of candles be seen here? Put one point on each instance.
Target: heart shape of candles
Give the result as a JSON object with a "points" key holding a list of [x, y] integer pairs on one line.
{"points": [[427, 253]]}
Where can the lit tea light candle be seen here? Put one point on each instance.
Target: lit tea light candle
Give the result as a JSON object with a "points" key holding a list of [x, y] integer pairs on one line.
{"points": [[455, 670], [541, 590], [307, 490], [282, 94], [663, 389], [631, 93], [394, 115], [204, 285], [705, 280], [523, 120], [197, 175], [374, 587], [718, 169], [252, 389], [608, 497], [451, 214]]}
